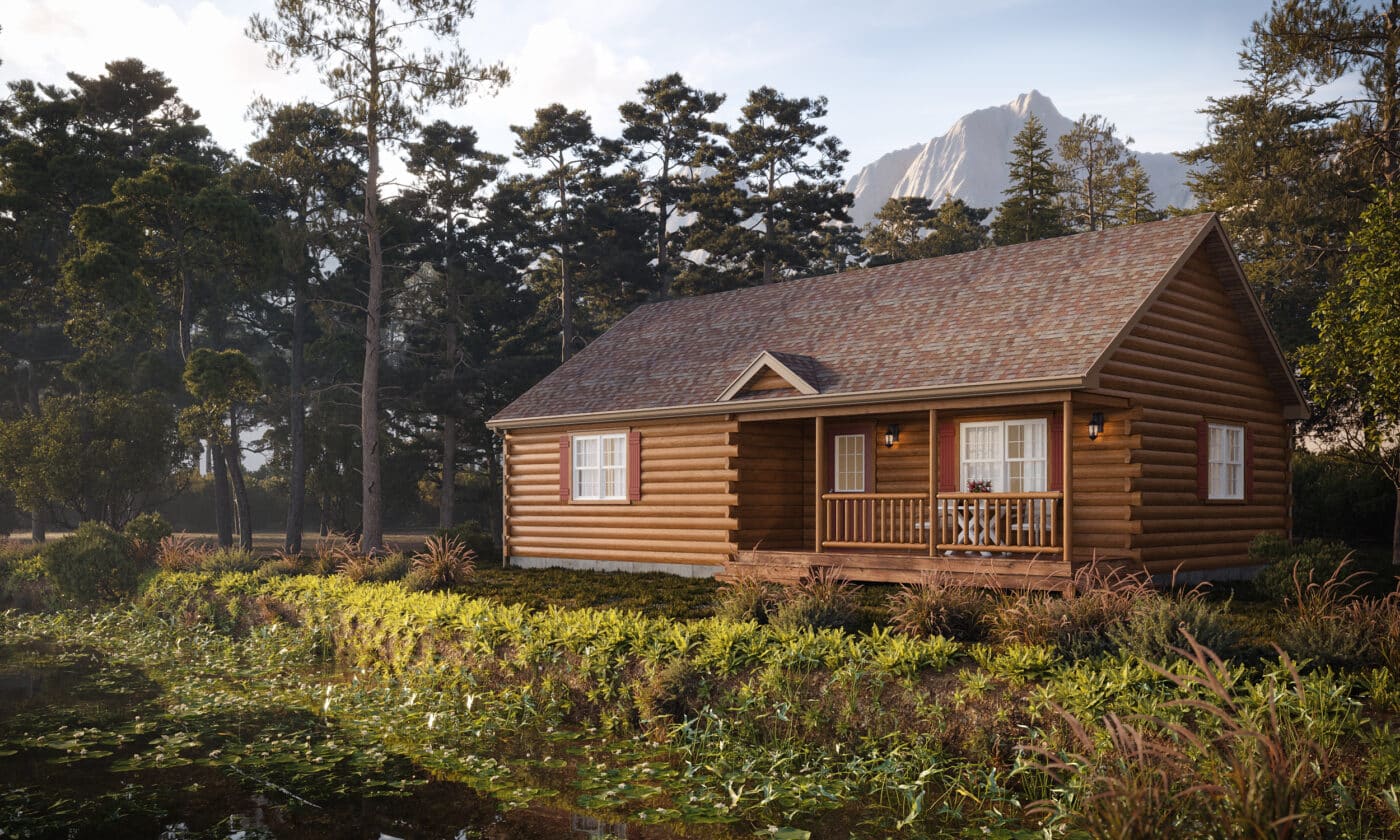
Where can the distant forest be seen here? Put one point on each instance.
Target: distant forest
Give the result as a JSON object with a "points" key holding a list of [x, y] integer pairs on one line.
{"points": [[169, 306]]}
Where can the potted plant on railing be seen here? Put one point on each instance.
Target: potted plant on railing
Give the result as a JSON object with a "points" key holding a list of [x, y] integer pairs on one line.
{"points": [[979, 527]]}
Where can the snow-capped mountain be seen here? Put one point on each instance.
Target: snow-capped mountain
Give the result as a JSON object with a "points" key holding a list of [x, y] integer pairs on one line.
{"points": [[969, 161]]}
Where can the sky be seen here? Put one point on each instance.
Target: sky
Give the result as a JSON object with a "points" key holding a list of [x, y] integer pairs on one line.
{"points": [[895, 73]]}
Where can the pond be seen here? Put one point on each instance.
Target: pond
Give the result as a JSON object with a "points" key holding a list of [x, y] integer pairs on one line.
{"points": [[95, 747]]}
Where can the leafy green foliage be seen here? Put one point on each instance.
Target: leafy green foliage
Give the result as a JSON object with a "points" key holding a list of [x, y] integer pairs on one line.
{"points": [[146, 533], [106, 456], [95, 563], [1287, 566], [822, 598]]}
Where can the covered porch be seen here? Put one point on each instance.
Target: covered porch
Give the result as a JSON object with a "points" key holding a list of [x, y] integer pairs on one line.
{"points": [[886, 496]]}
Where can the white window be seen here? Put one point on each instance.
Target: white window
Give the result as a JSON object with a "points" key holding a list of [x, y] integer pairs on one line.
{"points": [[1010, 456], [600, 466], [1226, 461], [850, 464]]}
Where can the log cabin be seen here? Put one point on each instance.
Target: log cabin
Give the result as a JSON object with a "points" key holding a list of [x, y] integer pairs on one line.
{"points": [[1010, 415]]}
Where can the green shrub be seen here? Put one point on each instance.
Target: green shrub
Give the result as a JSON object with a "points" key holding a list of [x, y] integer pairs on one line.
{"points": [[1331, 623], [822, 598], [1311, 561], [940, 606], [374, 569], [94, 563], [24, 581], [1078, 625], [1157, 625], [146, 533], [284, 565], [474, 537], [229, 560]]}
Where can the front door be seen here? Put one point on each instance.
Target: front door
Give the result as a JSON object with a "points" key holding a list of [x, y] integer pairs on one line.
{"points": [[850, 453]]}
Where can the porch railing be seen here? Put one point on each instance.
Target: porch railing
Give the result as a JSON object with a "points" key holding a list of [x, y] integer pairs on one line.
{"points": [[875, 520], [1003, 522], [1028, 523]]}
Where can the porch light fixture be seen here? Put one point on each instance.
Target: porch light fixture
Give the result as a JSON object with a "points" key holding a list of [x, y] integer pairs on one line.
{"points": [[1095, 425], [891, 434]]}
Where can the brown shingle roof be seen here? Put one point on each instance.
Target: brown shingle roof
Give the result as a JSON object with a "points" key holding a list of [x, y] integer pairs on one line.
{"points": [[1042, 310]]}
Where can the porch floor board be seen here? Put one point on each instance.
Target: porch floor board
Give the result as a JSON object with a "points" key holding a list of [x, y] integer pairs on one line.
{"points": [[1001, 571]]}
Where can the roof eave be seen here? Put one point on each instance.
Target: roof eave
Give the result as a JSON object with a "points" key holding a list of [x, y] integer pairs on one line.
{"points": [[1013, 386]]}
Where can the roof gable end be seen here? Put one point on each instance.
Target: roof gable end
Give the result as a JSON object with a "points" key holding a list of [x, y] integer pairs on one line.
{"points": [[785, 365]]}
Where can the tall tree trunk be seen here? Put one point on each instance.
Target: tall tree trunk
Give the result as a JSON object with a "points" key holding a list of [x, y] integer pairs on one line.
{"points": [[233, 454], [566, 286], [296, 426], [186, 316], [223, 507], [663, 265], [372, 501], [447, 491], [38, 517]]}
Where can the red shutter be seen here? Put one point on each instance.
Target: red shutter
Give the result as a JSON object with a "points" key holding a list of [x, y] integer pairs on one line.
{"points": [[1248, 464], [565, 465], [947, 458], [634, 465], [1056, 444], [1203, 460]]}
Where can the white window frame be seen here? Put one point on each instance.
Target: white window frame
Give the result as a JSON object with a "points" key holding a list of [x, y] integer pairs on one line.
{"points": [[1225, 479], [599, 474], [862, 446], [1000, 462]]}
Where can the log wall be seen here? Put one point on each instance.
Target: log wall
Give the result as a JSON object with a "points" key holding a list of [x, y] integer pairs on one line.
{"points": [[1189, 359], [775, 463], [686, 515]]}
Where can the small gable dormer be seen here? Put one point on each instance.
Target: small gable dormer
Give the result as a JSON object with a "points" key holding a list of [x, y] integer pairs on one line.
{"points": [[774, 374]]}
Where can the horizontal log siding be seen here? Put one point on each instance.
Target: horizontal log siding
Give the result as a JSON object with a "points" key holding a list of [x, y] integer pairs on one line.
{"points": [[1190, 358], [902, 468], [687, 513], [1103, 492], [775, 462]]}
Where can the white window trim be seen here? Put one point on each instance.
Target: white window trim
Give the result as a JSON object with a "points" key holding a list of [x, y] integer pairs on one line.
{"points": [[836, 463], [1002, 477], [1222, 465], [599, 470]]}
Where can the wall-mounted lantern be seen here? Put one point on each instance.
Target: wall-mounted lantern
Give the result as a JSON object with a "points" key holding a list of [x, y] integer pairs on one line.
{"points": [[891, 434], [1095, 425]]}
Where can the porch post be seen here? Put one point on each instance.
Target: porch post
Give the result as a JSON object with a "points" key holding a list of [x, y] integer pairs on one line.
{"points": [[820, 462], [1067, 442], [931, 532]]}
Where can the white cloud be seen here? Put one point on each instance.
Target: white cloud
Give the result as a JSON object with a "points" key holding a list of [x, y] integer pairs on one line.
{"points": [[202, 49]]}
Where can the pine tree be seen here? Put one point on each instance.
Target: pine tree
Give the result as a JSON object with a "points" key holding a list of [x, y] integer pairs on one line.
{"points": [[1134, 202], [1093, 165], [775, 206], [911, 228], [380, 85], [1031, 209], [665, 131]]}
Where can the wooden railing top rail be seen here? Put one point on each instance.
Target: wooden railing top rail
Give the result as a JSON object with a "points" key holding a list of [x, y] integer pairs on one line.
{"points": [[826, 496], [1053, 494]]}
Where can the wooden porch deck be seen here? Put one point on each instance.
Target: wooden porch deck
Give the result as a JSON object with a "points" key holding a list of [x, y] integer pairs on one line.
{"points": [[999, 571]]}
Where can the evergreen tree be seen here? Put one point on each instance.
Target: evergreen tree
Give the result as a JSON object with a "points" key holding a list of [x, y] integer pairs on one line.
{"points": [[1274, 165], [589, 224], [775, 203], [910, 228], [380, 85], [1032, 208], [665, 131], [1134, 202], [302, 173], [1094, 162], [1351, 370], [451, 203]]}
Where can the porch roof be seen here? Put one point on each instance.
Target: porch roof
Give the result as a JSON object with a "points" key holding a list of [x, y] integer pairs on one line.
{"points": [[1012, 318]]}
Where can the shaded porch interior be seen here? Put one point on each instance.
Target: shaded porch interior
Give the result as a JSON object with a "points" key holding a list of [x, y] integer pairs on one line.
{"points": [[911, 517]]}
